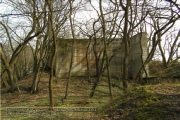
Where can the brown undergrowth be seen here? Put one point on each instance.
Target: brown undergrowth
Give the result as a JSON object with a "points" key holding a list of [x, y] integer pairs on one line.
{"points": [[161, 101], [78, 97]]}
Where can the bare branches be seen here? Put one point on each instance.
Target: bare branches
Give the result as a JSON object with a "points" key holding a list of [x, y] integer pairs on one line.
{"points": [[174, 3], [8, 35]]}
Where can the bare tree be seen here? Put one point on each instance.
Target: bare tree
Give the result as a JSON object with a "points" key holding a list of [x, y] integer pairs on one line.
{"points": [[160, 25], [101, 47], [16, 51], [172, 45], [41, 46], [126, 43]]}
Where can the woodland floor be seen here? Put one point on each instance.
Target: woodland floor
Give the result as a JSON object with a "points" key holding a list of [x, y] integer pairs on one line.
{"points": [[148, 102]]}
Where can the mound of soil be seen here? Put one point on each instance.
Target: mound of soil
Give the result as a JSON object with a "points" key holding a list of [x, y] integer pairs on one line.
{"points": [[153, 102]]}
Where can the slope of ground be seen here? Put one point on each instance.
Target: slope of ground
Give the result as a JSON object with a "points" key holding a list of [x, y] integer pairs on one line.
{"points": [[26, 106], [161, 102], [150, 102]]}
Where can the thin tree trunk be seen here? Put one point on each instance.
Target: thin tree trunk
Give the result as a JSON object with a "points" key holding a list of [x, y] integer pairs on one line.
{"points": [[36, 69], [50, 80], [105, 48], [34, 87], [72, 51], [12, 83], [103, 64], [97, 69], [126, 45], [155, 43], [52, 35], [141, 71], [172, 48], [87, 61], [69, 73]]}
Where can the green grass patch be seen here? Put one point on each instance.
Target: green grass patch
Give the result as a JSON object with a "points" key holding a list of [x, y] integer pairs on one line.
{"points": [[140, 103]]}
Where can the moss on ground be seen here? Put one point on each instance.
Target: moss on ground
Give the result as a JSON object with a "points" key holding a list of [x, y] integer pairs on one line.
{"points": [[144, 103]]}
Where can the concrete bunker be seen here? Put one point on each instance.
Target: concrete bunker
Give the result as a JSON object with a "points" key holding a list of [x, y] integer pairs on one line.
{"points": [[138, 54]]}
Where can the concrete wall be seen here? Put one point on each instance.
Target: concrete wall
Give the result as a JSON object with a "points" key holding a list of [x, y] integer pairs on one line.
{"points": [[138, 53]]}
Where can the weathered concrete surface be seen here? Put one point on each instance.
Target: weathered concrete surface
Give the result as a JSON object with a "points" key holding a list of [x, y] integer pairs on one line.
{"points": [[138, 53]]}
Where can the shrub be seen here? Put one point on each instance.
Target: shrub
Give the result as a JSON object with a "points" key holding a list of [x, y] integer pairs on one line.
{"points": [[157, 69]]}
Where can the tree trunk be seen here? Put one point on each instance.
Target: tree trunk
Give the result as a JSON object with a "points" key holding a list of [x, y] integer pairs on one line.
{"points": [[72, 51], [12, 83], [52, 35], [87, 61], [4, 78], [126, 46], [36, 70], [105, 48], [34, 87], [69, 73], [9, 69], [97, 69]]}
